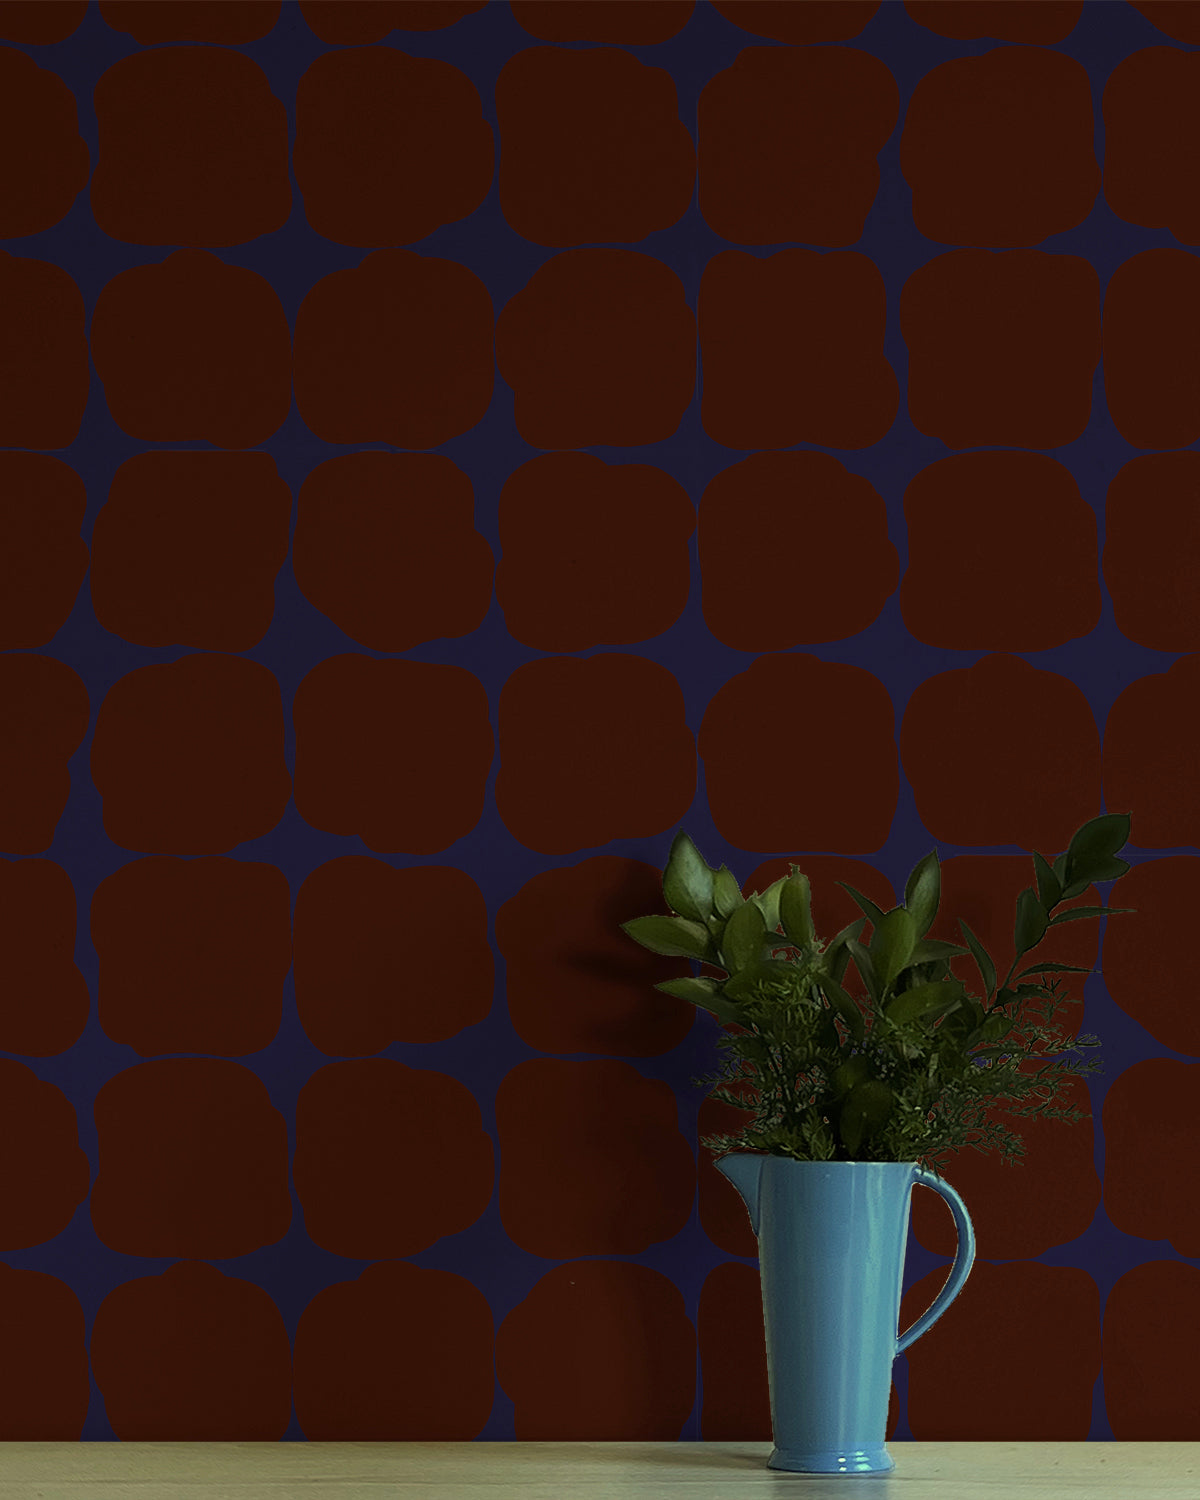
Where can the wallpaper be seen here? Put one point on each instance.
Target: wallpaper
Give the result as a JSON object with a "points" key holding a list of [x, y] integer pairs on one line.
{"points": [[447, 448]]}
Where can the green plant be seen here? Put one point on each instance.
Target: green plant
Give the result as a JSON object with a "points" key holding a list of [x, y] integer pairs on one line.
{"points": [[911, 1073]]}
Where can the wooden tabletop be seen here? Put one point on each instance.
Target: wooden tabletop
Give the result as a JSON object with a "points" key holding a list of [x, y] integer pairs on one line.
{"points": [[589, 1471]]}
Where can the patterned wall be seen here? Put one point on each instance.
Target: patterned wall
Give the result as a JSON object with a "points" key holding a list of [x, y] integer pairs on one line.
{"points": [[445, 448]]}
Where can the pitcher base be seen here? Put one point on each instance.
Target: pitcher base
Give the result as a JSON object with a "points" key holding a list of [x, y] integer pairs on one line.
{"points": [[874, 1459]]}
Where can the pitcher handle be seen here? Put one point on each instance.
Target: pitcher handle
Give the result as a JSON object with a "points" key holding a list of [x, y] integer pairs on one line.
{"points": [[964, 1258]]}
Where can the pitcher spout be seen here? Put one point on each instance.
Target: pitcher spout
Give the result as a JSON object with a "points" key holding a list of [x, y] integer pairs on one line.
{"points": [[744, 1170]]}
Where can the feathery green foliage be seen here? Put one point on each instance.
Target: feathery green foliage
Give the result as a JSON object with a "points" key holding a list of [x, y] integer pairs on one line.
{"points": [[914, 1072]]}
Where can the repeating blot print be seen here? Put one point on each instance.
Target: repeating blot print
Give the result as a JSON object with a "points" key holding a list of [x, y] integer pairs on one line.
{"points": [[1147, 954], [349, 23], [193, 954], [1002, 554], [1149, 762], [1151, 327], [40, 25], [635, 23], [188, 755], [1045, 23], [369, 1188], [193, 1355], [792, 349], [999, 792], [1149, 1369], [43, 177], [599, 346], [371, 944], [193, 348], [844, 786], [592, 751], [397, 752], [801, 25], [185, 554], [386, 547], [43, 558], [1002, 347], [614, 1177], [998, 149], [43, 356], [396, 350], [789, 142], [193, 149], [592, 553], [772, 513], [48, 1178], [401, 1354], [45, 1388], [44, 713], [1153, 588], [1151, 135], [593, 146], [193, 1161], [229, 23], [1008, 1397], [389, 147], [599, 1351], [1150, 1120], [187, 547], [574, 982], [44, 1000]]}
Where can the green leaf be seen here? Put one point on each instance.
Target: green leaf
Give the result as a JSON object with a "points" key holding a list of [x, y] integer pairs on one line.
{"points": [[865, 903], [844, 1005], [959, 1023], [922, 1000], [1048, 885], [851, 1073], [837, 955], [865, 967], [739, 984], [743, 940], [1107, 869], [674, 936], [827, 1036], [688, 881], [892, 944], [987, 969], [727, 893], [699, 991], [795, 909], [866, 1109], [704, 993], [1031, 922], [924, 891], [1053, 968], [768, 903], [1022, 992], [1093, 846], [996, 1028], [929, 949], [1087, 911]]}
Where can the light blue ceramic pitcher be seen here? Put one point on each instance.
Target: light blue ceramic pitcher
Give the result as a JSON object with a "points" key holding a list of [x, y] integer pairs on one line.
{"points": [[832, 1236]]}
